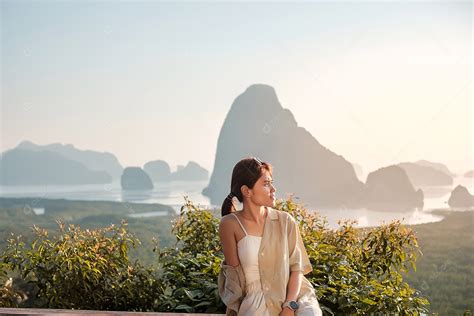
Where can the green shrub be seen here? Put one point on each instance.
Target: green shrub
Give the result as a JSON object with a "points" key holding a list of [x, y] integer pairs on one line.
{"points": [[9, 297], [358, 271], [83, 269], [189, 271], [355, 271]]}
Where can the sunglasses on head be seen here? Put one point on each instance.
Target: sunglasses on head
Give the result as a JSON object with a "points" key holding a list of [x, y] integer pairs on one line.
{"points": [[258, 161]]}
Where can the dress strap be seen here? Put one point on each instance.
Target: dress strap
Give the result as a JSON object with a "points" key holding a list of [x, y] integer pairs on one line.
{"points": [[238, 220]]}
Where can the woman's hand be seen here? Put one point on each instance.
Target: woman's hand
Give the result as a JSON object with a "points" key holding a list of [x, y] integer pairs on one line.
{"points": [[287, 312]]}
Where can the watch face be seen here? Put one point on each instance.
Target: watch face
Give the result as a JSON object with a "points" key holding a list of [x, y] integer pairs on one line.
{"points": [[293, 305]]}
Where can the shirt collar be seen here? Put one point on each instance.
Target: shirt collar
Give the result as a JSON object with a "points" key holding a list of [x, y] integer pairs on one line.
{"points": [[272, 214]]}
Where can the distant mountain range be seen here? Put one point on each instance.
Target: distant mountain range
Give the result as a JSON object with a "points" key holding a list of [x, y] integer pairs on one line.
{"points": [[435, 165], [160, 171], [26, 167], [63, 164], [389, 188], [134, 178], [425, 175], [256, 125], [469, 174], [92, 160], [460, 197]]}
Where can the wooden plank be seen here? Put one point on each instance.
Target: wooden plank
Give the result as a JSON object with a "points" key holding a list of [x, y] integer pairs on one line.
{"points": [[70, 312]]}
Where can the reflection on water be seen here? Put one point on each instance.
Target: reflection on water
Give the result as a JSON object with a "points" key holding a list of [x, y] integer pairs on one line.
{"points": [[149, 214], [172, 194], [38, 210], [136, 195], [368, 218], [437, 197]]}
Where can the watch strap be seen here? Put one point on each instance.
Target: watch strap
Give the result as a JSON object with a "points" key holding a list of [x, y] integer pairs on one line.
{"points": [[287, 304]]}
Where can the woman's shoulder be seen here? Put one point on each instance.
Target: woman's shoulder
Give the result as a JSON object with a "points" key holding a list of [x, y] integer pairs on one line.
{"points": [[228, 225], [281, 215], [228, 222], [226, 219]]}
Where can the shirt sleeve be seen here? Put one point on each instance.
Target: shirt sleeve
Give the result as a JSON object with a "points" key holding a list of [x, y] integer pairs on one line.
{"points": [[231, 281], [298, 257]]}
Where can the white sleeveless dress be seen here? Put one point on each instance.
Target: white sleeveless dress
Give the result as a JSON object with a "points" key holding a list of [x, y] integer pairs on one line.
{"points": [[253, 303]]}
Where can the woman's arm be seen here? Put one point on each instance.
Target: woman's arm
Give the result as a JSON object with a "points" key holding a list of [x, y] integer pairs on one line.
{"points": [[230, 290], [292, 291], [298, 263], [229, 245], [294, 286]]}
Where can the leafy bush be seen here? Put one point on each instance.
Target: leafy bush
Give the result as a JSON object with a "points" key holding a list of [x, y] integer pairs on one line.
{"points": [[9, 297], [189, 271], [358, 271], [355, 271], [83, 269]]}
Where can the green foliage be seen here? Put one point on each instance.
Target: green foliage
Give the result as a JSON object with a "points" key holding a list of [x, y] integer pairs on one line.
{"points": [[10, 297], [196, 230], [445, 272], [17, 216], [83, 269], [358, 271], [190, 270], [355, 271]]}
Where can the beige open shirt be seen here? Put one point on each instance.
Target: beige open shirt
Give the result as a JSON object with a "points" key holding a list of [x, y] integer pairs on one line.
{"points": [[281, 251]]}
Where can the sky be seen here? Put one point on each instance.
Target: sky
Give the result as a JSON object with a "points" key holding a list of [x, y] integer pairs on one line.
{"points": [[376, 82]]}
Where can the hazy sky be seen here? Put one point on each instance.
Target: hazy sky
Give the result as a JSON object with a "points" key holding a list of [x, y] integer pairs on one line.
{"points": [[378, 83]]}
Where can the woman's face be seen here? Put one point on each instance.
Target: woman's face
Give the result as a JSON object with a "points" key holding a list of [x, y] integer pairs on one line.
{"points": [[263, 192]]}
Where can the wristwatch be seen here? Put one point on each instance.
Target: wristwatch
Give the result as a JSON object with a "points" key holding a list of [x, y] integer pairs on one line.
{"points": [[293, 305]]}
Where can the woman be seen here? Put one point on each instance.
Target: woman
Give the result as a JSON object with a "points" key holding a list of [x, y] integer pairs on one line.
{"points": [[265, 258]]}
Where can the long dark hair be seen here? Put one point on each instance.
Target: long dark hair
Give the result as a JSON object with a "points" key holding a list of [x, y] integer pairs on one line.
{"points": [[245, 172]]}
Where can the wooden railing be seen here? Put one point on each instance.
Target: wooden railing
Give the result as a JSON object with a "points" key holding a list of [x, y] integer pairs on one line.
{"points": [[69, 312]]}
